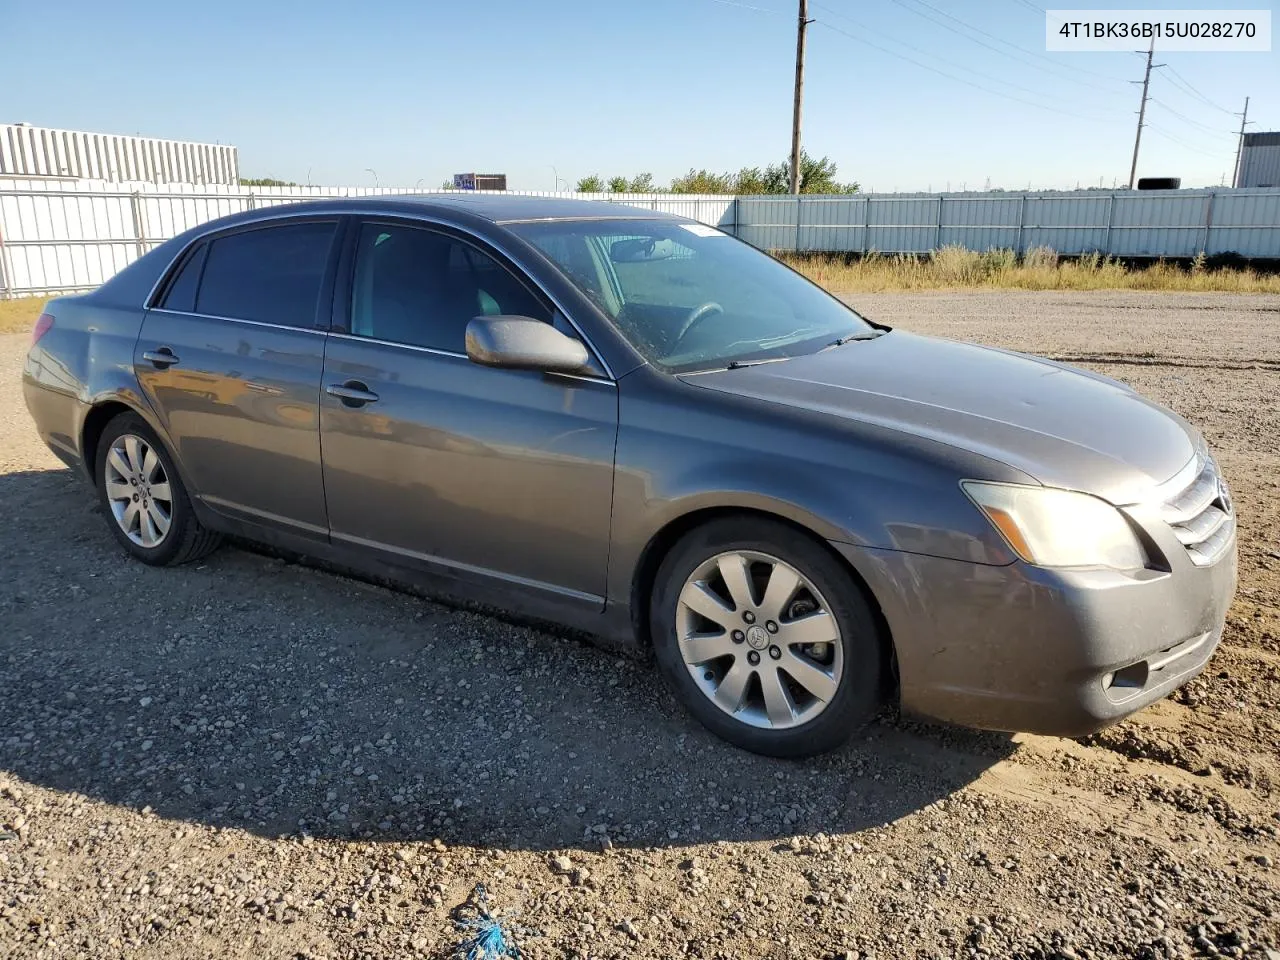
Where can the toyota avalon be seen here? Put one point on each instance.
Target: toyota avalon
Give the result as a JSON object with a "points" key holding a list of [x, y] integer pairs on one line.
{"points": [[637, 425]]}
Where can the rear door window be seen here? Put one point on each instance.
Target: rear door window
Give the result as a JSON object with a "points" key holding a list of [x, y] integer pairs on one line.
{"points": [[270, 275]]}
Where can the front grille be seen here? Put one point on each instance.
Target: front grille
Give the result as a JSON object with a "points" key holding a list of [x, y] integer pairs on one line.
{"points": [[1201, 516]]}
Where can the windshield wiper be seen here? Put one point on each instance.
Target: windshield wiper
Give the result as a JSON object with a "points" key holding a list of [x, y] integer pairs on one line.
{"points": [[852, 337], [739, 364]]}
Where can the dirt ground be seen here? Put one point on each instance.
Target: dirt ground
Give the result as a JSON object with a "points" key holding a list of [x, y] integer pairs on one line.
{"points": [[250, 758]]}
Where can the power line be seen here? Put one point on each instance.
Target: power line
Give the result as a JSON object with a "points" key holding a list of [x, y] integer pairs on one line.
{"points": [[988, 77], [747, 6], [949, 76], [927, 53], [1185, 119], [1180, 82], [1185, 85], [1180, 142], [1022, 55]]}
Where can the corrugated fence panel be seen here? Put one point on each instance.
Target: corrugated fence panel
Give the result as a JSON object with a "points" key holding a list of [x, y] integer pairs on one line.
{"points": [[832, 223], [1068, 223], [1164, 223], [981, 223], [768, 222], [681, 207], [903, 224], [46, 267], [165, 217], [66, 235], [720, 212], [1243, 222]]}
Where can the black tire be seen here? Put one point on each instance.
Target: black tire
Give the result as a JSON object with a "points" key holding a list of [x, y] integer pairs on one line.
{"points": [[186, 539], [859, 693]]}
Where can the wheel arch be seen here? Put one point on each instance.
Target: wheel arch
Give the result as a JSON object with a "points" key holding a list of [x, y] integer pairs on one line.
{"points": [[660, 544], [106, 409], [95, 422]]}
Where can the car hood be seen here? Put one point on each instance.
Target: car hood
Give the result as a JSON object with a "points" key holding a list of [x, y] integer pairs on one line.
{"points": [[1065, 427]]}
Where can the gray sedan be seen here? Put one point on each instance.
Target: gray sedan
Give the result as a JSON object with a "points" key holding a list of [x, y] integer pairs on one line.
{"points": [[636, 425]]}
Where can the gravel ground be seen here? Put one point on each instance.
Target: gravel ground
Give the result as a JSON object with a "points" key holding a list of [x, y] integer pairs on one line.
{"points": [[252, 758]]}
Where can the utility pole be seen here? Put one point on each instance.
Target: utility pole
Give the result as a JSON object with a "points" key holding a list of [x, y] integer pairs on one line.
{"points": [[1142, 111], [1244, 120], [801, 30]]}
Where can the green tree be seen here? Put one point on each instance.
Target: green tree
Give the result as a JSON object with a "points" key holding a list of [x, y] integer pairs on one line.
{"points": [[703, 181], [265, 182], [750, 180], [777, 177], [617, 184], [591, 184], [816, 176], [642, 183]]}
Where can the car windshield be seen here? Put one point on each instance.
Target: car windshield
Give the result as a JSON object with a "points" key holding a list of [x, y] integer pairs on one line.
{"points": [[690, 297]]}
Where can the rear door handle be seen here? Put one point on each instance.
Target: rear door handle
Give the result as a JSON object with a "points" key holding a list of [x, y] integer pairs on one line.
{"points": [[353, 393], [161, 358]]}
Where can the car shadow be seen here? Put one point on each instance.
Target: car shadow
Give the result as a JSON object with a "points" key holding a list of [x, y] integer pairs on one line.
{"points": [[249, 692]]}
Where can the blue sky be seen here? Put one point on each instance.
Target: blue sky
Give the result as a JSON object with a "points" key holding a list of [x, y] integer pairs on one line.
{"points": [[420, 89]]}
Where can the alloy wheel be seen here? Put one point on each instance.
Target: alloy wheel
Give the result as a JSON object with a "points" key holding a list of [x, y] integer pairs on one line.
{"points": [[137, 489], [759, 639]]}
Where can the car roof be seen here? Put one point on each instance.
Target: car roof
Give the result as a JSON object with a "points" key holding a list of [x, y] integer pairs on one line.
{"points": [[509, 208]]}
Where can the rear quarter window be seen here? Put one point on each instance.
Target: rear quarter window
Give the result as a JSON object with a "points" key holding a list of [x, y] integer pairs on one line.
{"points": [[181, 294], [269, 275]]}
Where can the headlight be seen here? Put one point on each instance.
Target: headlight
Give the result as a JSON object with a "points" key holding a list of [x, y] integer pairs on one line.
{"points": [[1058, 528]]}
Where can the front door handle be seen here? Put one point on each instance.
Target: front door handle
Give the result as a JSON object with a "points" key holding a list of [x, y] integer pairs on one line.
{"points": [[161, 358], [352, 393]]}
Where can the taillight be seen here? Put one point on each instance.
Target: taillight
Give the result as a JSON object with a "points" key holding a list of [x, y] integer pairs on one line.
{"points": [[43, 324]]}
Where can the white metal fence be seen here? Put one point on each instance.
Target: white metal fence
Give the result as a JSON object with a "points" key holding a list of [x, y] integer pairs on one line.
{"points": [[27, 151], [1164, 223], [66, 236]]}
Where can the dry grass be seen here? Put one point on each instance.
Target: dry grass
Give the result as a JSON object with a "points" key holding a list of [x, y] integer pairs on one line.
{"points": [[19, 316], [1039, 269]]}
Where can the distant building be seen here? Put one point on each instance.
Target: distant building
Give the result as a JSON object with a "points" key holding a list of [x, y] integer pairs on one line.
{"points": [[1259, 160], [479, 181], [39, 152]]}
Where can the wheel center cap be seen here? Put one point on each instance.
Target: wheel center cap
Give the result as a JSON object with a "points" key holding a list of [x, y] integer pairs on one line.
{"points": [[757, 637]]}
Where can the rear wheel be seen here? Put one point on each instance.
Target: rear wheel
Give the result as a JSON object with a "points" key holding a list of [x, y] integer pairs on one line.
{"points": [[766, 638], [145, 502]]}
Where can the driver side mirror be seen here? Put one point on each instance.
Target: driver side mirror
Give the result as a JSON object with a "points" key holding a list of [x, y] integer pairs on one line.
{"points": [[523, 343]]}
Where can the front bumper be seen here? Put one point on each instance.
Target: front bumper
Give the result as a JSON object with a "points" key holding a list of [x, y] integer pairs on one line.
{"points": [[1059, 652]]}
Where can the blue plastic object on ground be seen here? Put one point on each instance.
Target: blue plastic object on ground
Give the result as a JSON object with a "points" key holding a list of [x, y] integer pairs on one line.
{"points": [[490, 937]]}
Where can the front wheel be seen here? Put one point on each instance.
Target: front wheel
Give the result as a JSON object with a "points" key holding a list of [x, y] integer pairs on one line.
{"points": [[765, 637]]}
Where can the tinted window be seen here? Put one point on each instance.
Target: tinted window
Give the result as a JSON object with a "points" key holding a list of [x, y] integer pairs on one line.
{"points": [[418, 287], [182, 292], [272, 275]]}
